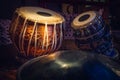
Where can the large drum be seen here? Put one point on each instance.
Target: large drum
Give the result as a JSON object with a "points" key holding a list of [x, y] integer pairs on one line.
{"points": [[69, 65], [92, 34], [36, 31]]}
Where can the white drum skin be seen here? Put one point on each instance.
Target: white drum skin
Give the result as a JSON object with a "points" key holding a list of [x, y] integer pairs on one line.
{"points": [[36, 31], [79, 24], [93, 34]]}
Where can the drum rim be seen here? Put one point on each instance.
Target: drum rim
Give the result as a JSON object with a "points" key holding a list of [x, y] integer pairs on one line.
{"points": [[31, 61], [57, 53], [76, 24], [58, 18]]}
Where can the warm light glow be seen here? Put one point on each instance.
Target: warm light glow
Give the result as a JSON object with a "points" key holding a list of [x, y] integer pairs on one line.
{"points": [[64, 64], [32, 35], [53, 56]]}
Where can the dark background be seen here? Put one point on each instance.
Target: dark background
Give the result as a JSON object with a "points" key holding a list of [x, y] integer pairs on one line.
{"points": [[111, 15], [111, 7]]}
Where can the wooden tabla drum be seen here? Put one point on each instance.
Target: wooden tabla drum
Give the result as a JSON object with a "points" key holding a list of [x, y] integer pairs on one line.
{"points": [[92, 34], [36, 31]]}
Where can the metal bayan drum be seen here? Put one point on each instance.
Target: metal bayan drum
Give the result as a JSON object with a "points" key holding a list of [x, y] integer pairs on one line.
{"points": [[69, 65], [92, 34], [36, 31]]}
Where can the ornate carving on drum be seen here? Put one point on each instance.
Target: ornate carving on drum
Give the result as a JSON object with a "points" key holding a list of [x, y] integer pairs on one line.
{"points": [[92, 34], [36, 31]]}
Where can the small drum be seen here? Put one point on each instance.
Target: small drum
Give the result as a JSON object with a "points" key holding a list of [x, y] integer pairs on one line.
{"points": [[36, 31], [69, 65], [91, 32], [88, 26]]}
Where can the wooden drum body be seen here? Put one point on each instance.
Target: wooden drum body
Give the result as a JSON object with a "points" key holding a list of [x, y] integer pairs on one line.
{"points": [[36, 31], [92, 34]]}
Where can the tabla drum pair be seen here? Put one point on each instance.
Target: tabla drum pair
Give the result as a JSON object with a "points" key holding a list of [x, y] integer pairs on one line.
{"points": [[92, 34], [36, 31]]}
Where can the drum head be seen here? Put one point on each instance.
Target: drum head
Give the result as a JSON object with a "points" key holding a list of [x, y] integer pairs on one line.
{"points": [[84, 19], [40, 15], [67, 65]]}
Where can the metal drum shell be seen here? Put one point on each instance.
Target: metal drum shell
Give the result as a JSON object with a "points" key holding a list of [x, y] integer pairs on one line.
{"points": [[68, 65]]}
